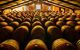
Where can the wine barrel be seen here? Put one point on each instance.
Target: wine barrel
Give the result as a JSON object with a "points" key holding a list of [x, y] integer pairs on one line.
{"points": [[9, 45], [38, 32], [77, 19], [27, 19], [43, 20], [49, 23], [11, 16], [9, 20], [19, 20], [2, 24], [69, 33], [52, 19], [4, 16], [36, 23], [70, 19], [26, 23], [21, 33], [36, 44], [77, 29], [60, 23], [78, 44], [35, 19], [8, 29], [54, 32], [78, 22], [14, 24], [14, 18], [22, 18], [61, 19], [6, 32], [71, 23], [2, 19], [62, 44]]}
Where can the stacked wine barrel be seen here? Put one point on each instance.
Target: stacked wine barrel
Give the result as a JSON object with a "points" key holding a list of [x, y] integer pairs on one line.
{"points": [[19, 31]]}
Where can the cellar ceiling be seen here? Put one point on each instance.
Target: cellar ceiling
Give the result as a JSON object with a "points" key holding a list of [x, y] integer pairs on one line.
{"points": [[72, 4]]}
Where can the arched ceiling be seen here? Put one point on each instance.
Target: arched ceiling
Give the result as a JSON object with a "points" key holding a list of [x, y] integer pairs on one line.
{"points": [[3, 2], [72, 4]]}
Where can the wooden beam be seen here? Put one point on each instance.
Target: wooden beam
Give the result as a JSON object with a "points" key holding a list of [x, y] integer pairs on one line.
{"points": [[17, 5], [58, 4], [8, 2], [21, 5], [70, 3]]}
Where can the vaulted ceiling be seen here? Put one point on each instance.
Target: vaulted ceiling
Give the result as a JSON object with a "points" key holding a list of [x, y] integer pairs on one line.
{"points": [[72, 4]]}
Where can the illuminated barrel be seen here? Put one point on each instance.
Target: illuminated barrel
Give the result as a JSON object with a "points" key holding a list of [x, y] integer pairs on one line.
{"points": [[43, 20], [70, 19], [6, 32], [2, 24], [36, 23], [14, 24], [77, 19], [62, 44], [52, 19], [27, 19], [54, 32], [61, 19], [49, 23], [35, 19], [60, 23], [21, 33], [36, 44], [77, 29], [38, 32], [69, 33], [26, 23], [78, 22], [78, 44], [71, 23], [19, 20], [9, 20], [2, 19], [9, 45]]}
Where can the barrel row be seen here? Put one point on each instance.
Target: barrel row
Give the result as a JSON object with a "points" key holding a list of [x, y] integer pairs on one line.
{"points": [[37, 44], [39, 33]]}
